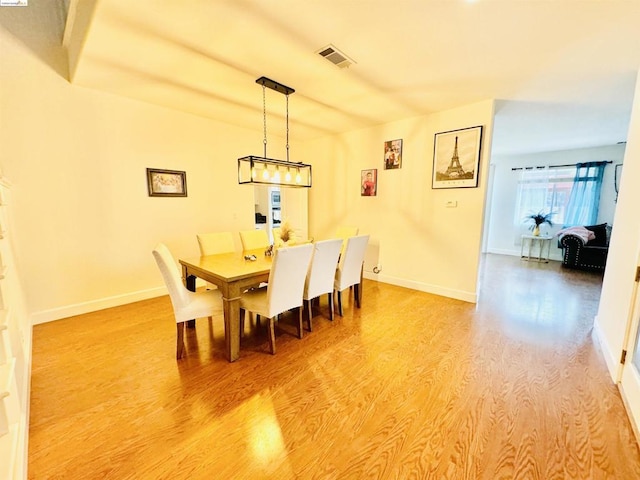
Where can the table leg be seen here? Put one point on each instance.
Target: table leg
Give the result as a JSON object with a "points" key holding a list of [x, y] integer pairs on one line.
{"points": [[231, 306], [190, 283]]}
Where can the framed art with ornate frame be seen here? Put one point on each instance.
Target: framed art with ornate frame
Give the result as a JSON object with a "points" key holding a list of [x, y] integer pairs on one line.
{"points": [[166, 183]]}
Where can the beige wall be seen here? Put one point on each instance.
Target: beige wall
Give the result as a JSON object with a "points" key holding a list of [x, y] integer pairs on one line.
{"points": [[616, 301], [417, 240], [85, 225]]}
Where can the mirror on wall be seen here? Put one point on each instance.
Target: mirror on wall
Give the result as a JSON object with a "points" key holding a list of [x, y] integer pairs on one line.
{"points": [[268, 208]]}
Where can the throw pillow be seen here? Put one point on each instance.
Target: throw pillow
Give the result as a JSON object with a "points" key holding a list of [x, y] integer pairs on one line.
{"points": [[600, 232]]}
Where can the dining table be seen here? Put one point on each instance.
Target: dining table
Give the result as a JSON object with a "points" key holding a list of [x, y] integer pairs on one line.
{"points": [[232, 273]]}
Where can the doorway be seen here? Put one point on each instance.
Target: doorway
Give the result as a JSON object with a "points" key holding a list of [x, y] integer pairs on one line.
{"points": [[630, 380]]}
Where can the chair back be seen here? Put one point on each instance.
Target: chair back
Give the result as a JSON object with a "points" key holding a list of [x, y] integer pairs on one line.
{"points": [[214, 243], [345, 231], [286, 280], [350, 265], [322, 270], [254, 239], [171, 275], [276, 234]]}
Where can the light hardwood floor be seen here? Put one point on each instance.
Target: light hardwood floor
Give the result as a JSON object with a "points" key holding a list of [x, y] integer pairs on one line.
{"points": [[411, 386]]}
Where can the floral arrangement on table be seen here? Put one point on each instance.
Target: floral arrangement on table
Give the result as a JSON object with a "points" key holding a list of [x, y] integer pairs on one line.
{"points": [[537, 219], [287, 236]]}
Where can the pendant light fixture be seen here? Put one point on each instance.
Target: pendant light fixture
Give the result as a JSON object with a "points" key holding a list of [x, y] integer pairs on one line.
{"points": [[269, 171]]}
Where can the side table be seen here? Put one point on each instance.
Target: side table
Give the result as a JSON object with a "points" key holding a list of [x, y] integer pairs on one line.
{"points": [[543, 242]]}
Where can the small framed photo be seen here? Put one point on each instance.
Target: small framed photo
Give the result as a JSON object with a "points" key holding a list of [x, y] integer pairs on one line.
{"points": [[166, 183], [456, 158], [392, 154], [369, 182]]}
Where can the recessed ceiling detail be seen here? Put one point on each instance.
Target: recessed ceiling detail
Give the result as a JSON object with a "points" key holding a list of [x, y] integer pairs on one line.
{"points": [[335, 56]]}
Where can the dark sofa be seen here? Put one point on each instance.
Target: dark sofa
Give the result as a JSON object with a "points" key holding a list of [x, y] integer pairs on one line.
{"points": [[591, 255]]}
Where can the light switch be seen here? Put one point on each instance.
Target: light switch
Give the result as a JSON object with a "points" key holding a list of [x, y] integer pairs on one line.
{"points": [[451, 204]]}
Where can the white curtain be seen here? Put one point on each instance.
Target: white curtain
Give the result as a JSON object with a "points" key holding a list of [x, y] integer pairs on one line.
{"points": [[541, 190]]}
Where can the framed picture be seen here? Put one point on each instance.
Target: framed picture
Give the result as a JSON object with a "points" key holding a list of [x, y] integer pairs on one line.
{"points": [[369, 182], [456, 158], [166, 183], [392, 154]]}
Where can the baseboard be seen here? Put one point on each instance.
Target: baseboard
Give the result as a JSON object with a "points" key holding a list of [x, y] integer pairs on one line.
{"points": [[500, 251], [555, 256], [470, 297], [611, 360], [627, 406], [94, 305], [45, 316]]}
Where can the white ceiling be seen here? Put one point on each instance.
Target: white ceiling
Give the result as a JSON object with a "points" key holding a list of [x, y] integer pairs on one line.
{"points": [[562, 72]]}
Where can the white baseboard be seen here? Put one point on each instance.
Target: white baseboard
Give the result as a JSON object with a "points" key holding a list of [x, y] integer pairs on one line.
{"points": [[500, 251], [470, 297], [627, 405], [612, 361], [115, 301], [94, 305], [554, 254]]}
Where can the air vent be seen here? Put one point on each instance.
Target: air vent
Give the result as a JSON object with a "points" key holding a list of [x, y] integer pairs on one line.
{"points": [[335, 56]]}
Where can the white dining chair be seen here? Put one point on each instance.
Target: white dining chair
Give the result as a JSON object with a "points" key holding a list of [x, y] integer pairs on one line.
{"points": [[275, 233], [284, 292], [349, 271], [187, 305], [254, 239], [215, 243], [321, 275], [344, 232]]}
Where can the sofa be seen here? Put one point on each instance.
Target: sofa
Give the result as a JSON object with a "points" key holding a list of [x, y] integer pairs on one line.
{"points": [[583, 250]]}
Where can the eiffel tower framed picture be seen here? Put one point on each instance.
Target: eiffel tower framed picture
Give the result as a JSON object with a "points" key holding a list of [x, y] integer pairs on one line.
{"points": [[456, 158]]}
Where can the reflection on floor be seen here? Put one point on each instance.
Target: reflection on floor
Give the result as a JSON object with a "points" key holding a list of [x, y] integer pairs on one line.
{"points": [[539, 302], [411, 385]]}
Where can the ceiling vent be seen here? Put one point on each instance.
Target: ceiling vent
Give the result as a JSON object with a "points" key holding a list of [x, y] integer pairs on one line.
{"points": [[335, 56]]}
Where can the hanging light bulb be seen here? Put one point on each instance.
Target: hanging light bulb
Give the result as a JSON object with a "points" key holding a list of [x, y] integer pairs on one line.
{"points": [[276, 176], [298, 177], [253, 173], [287, 177], [265, 173]]}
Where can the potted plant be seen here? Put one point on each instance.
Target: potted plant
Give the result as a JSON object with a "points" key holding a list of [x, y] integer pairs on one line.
{"points": [[538, 219]]}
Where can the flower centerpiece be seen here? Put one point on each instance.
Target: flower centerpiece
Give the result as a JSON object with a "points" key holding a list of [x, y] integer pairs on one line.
{"points": [[287, 235], [537, 219]]}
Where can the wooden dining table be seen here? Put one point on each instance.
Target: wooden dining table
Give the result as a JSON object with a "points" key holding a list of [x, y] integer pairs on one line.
{"points": [[232, 274]]}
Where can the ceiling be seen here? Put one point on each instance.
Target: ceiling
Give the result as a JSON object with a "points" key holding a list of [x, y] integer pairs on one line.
{"points": [[562, 72]]}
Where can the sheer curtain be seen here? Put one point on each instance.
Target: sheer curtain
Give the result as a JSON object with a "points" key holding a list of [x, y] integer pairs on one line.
{"points": [[584, 200], [543, 190], [533, 189]]}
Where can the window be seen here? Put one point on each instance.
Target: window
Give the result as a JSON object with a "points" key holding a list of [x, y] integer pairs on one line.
{"points": [[546, 190]]}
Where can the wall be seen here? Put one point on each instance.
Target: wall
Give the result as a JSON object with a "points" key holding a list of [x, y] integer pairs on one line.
{"points": [[85, 226], [616, 300], [503, 236], [419, 242]]}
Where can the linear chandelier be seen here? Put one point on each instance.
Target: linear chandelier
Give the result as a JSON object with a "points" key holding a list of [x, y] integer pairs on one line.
{"points": [[262, 170]]}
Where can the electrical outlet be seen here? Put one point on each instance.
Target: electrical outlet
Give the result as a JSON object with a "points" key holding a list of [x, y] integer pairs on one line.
{"points": [[451, 204]]}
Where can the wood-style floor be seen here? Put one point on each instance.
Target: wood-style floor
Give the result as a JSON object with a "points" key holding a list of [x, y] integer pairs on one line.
{"points": [[411, 386]]}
